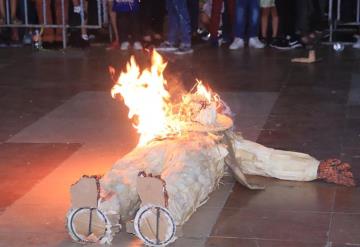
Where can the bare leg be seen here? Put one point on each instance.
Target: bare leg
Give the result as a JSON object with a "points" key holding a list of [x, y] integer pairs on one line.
{"points": [[2, 11], [48, 33], [113, 20], [275, 22], [265, 12], [13, 4]]}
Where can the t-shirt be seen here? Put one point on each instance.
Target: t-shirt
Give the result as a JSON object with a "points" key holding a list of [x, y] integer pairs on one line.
{"points": [[126, 5]]}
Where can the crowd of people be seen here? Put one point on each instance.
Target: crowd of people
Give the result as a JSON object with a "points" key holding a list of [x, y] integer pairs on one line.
{"points": [[173, 25]]}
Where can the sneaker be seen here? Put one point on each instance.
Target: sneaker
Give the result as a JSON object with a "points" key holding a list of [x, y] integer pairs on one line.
{"points": [[280, 44], [294, 43], [357, 44], [137, 46], [27, 39], [237, 44], [113, 46], [125, 46], [182, 50], [166, 46], [254, 42]]}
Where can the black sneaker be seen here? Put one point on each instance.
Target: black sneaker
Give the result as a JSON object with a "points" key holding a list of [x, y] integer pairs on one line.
{"points": [[280, 44], [294, 43], [184, 50]]}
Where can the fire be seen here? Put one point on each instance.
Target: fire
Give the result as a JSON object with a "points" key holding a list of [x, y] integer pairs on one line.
{"points": [[145, 94]]}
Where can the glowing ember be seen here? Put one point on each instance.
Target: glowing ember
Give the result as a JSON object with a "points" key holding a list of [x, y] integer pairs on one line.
{"points": [[145, 94]]}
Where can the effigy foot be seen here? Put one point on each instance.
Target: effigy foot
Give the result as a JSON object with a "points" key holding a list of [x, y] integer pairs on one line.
{"points": [[336, 171]]}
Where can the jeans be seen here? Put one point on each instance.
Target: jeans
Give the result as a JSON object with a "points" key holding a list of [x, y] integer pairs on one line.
{"points": [[247, 10], [193, 7], [179, 22]]}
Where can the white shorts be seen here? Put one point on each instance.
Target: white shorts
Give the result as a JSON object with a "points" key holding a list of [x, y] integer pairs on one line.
{"points": [[267, 3]]}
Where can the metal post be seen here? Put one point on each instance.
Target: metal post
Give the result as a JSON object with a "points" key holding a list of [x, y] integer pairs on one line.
{"points": [[338, 17], [7, 11], [63, 23], [330, 18], [26, 12], [358, 12]]}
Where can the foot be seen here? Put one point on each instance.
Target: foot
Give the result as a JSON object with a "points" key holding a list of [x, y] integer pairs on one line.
{"points": [[237, 44], [152, 190], [166, 46], [310, 59], [335, 171], [15, 21], [113, 46], [254, 42], [125, 46], [137, 46], [184, 49]]}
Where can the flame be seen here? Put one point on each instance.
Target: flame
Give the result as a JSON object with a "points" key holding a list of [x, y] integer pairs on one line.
{"points": [[145, 94]]}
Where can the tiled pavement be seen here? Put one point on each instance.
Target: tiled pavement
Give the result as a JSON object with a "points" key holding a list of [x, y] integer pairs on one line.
{"points": [[58, 122]]}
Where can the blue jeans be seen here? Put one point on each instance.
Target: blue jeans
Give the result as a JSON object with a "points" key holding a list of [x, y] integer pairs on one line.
{"points": [[179, 22], [247, 10]]}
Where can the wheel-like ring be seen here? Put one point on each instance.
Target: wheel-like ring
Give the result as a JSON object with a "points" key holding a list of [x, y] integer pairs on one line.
{"points": [[154, 225], [85, 222]]}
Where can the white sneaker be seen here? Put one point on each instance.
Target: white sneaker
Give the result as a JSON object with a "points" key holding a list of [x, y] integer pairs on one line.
{"points": [[254, 42], [237, 44], [137, 46], [124, 46], [357, 43]]}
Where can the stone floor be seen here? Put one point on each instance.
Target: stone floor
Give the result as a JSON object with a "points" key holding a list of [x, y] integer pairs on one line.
{"points": [[58, 121]]}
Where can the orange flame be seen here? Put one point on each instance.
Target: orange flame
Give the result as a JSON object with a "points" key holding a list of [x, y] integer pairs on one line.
{"points": [[145, 94]]}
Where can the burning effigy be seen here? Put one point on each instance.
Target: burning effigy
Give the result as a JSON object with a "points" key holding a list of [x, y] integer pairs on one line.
{"points": [[183, 151]]}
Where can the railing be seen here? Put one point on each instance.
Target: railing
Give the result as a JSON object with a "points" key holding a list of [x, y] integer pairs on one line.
{"points": [[335, 18], [102, 17]]}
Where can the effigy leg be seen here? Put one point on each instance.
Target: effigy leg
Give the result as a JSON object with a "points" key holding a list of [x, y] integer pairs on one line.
{"points": [[256, 159]]}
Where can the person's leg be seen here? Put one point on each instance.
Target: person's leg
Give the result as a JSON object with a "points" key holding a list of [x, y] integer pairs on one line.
{"points": [[215, 18], [59, 19], [48, 34], [13, 8], [2, 11], [173, 20], [239, 27], [302, 16], [182, 12], [254, 14], [265, 13], [158, 16], [275, 22], [113, 21], [146, 19], [134, 18], [193, 9], [123, 26]]}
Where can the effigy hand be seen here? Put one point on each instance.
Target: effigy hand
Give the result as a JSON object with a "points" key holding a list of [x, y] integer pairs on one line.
{"points": [[335, 171]]}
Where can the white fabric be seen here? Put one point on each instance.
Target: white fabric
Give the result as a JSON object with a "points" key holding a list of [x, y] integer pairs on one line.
{"points": [[256, 159], [191, 167]]}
